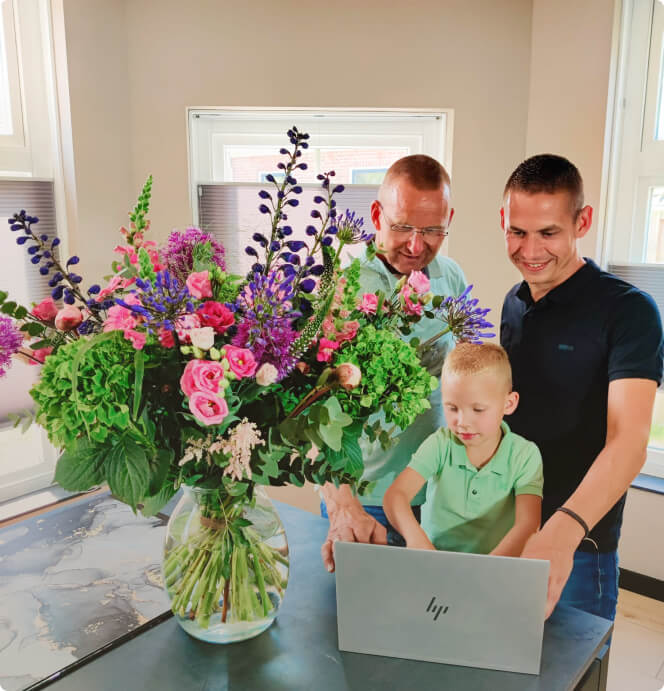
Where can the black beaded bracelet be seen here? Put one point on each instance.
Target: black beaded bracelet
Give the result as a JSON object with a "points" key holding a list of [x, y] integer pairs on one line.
{"points": [[577, 518]]}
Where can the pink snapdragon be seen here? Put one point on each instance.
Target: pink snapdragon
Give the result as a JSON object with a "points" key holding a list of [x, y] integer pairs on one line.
{"points": [[325, 349], [369, 303], [137, 338], [120, 318], [241, 361], [201, 376], [208, 408], [199, 284]]}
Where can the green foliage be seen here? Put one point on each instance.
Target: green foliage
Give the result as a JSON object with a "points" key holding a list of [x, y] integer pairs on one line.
{"points": [[225, 287], [145, 269], [352, 287], [392, 377], [86, 388], [138, 215]]}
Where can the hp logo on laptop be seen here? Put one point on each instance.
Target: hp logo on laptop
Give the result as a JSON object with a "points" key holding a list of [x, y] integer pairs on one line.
{"points": [[436, 609]]}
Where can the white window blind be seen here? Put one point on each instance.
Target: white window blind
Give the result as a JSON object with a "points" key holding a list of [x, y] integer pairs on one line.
{"points": [[19, 277], [230, 213]]}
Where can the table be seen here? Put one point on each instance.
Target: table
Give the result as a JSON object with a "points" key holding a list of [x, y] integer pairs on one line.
{"points": [[299, 651]]}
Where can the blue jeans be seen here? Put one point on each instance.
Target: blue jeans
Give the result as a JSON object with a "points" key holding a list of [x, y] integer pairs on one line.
{"points": [[393, 537], [593, 584]]}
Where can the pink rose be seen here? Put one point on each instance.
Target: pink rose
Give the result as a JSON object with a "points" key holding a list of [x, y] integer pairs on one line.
{"points": [[40, 354], [137, 338], [166, 338], [325, 349], [208, 408], [419, 282], [267, 374], [68, 318], [201, 375], [46, 310], [216, 315], [199, 284], [241, 361], [348, 375], [369, 303]]}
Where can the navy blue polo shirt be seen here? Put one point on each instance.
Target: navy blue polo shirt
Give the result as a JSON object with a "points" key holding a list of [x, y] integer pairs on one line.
{"points": [[564, 350]]}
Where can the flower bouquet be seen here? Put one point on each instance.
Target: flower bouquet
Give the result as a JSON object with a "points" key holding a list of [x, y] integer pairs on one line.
{"points": [[178, 373]]}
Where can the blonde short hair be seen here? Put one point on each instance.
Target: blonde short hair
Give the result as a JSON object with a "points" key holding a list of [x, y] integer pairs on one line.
{"points": [[473, 358]]}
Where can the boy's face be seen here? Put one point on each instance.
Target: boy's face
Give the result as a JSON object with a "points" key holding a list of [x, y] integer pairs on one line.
{"points": [[475, 404]]}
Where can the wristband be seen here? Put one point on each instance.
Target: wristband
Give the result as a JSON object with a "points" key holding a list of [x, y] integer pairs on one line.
{"points": [[577, 518], [580, 521]]}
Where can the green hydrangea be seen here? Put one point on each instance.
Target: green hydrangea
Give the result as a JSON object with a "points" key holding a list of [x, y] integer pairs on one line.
{"points": [[99, 405], [392, 377]]}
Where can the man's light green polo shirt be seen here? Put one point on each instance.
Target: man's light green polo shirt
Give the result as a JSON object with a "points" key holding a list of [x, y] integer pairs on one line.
{"points": [[470, 510], [382, 467]]}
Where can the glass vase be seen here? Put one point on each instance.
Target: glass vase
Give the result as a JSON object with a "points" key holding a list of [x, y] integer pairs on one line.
{"points": [[225, 566]]}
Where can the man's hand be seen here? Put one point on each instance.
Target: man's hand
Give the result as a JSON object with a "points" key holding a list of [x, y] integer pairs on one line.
{"points": [[556, 542], [349, 522]]}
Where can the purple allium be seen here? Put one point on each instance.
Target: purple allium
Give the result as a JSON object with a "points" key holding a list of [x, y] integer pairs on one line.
{"points": [[464, 319], [349, 229], [10, 342], [265, 324], [178, 253]]}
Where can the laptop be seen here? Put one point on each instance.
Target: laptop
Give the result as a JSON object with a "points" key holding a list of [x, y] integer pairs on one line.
{"points": [[462, 609]]}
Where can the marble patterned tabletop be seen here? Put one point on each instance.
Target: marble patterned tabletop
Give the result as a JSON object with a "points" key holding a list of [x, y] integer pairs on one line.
{"points": [[73, 580]]}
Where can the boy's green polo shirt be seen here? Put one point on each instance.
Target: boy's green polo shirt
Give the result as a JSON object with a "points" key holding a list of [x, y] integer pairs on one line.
{"points": [[381, 467], [470, 510]]}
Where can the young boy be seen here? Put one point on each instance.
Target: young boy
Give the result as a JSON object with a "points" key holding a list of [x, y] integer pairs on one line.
{"points": [[484, 492]]}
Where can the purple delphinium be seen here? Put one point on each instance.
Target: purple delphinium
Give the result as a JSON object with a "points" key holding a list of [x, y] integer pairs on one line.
{"points": [[265, 326], [10, 342], [178, 255], [464, 319]]}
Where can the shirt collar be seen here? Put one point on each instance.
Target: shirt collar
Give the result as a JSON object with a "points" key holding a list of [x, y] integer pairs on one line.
{"points": [[567, 291], [433, 269], [497, 465]]}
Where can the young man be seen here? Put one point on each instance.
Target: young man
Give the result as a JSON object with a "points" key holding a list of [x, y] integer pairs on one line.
{"points": [[586, 354], [411, 217]]}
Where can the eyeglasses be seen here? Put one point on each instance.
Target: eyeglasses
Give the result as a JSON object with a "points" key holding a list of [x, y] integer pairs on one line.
{"points": [[429, 234]]}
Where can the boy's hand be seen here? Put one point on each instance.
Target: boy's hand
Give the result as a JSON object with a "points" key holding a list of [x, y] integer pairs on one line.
{"points": [[420, 542], [351, 523]]}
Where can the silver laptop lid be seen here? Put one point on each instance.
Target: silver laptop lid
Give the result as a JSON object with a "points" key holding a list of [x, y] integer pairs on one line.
{"points": [[462, 609]]}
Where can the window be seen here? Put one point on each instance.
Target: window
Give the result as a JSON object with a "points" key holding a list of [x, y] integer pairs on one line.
{"points": [[29, 179], [634, 239], [232, 151]]}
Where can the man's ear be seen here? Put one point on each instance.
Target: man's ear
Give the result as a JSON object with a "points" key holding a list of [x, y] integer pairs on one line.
{"points": [[511, 402], [449, 220], [584, 221], [375, 213], [502, 217]]}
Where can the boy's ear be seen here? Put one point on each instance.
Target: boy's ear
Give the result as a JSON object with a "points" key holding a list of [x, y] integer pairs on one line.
{"points": [[511, 402]]}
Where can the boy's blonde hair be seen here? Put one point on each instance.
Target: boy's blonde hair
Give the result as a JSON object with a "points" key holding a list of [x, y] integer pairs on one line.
{"points": [[473, 358]]}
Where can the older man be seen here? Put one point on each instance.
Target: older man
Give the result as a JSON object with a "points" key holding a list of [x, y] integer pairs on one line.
{"points": [[411, 217], [586, 354]]}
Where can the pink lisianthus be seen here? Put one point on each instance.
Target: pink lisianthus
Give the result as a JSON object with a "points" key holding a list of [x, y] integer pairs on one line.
{"points": [[348, 331], [45, 311], [201, 375], [68, 318], [40, 355], [199, 284], [241, 361], [325, 349], [184, 324], [419, 282], [369, 303], [129, 251], [137, 338], [216, 315], [208, 408], [166, 338]]}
